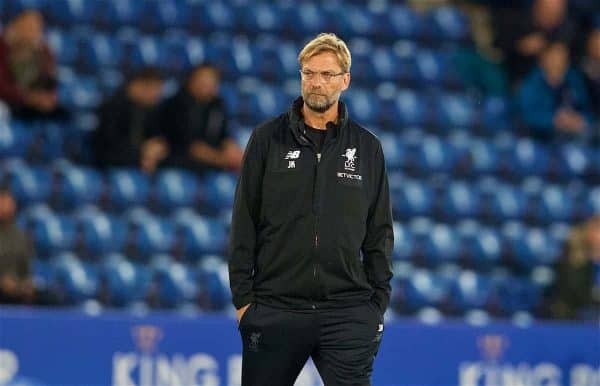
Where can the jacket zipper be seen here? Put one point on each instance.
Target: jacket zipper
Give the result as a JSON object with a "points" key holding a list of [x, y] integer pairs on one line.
{"points": [[315, 197]]}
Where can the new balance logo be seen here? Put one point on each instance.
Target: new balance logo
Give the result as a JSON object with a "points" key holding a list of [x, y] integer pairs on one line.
{"points": [[293, 154]]}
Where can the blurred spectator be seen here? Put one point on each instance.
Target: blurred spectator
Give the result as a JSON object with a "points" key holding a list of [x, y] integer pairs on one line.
{"points": [[127, 134], [591, 69], [577, 290], [27, 69], [16, 250], [523, 35], [194, 122], [553, 96]]}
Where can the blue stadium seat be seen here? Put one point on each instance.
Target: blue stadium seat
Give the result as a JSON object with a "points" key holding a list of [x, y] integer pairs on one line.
{"points": [[413, 198], [410, 108], [404, 243], [362, 106], [64, 46], [80, 93], [52, 233], [447, 23], [455, 110], [483, 246], [424, 289], [532, 247], [153, 235], [517, 294], [436, 155], [353, 21], [441, 245], [593, 200], [507, 203], [79, 185], [461, 200], [401, 21], [261, 18], [76, 281], [213, 16], [176, 188], [31, 184], [128, 187], [395, 152], [70, 12], [471, 291], [213, 279], [42, 275], [495, 114], [102, 233], [164, 14], [269, 101], [201, 235], [386, 65], [432, 68], [101, 51], [176, 282], [575, 160], [484, 157], [119, 13], [277, 54], [15, 139], [125, 281], [309, 20], [529, 158], [555, 204], [218, 190]]}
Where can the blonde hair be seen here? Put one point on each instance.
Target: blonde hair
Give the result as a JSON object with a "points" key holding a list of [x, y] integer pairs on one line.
{"points": [[327, 42]]}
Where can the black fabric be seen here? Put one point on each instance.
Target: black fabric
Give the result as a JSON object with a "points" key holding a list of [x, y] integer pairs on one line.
{"points": [[311, 232], [317, 136], [122, 128], [343, 344]]}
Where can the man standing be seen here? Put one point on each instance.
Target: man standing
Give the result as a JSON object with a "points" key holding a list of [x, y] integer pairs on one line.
{"points": [[312, 235]]}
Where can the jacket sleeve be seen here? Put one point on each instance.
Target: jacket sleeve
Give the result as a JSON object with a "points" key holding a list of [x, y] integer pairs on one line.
{"points": [[244, 223], [379, 240]]}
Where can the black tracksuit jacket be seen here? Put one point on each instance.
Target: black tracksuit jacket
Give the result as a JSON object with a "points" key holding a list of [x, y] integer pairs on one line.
{"points": [[311, 230]]}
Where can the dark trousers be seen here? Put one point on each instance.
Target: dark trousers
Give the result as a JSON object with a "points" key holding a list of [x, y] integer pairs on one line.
{"points": [[342, 342]]}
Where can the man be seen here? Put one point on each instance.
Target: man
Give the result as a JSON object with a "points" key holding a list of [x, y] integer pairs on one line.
{"points": [[127, 134], [312, 235], [194, 122], [553, 99], [16, 250], [27, 69]]}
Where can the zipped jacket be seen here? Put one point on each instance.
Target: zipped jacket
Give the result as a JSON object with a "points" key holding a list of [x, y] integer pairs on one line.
{"points": [[311, 230]]}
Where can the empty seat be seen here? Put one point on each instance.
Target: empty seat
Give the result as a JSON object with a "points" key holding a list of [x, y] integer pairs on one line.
{"points": [[176, 284], [15, 139], [455, 110], [404, 243], [52, 233], [30, 184], [413, 198], [517, 294], [213, 279], [128, 187], [471, 291], [201, 235], [410, 108], [125, 281], [154, 235], [461, 200], [176, 188], [79, 186], [424, 289], [101, 51], [218, 190], [507, 203], [441, 245], [76, 281], [484, 247], [532, 247], [555, 204], [528, 157], [446, 23], [102, 233]]}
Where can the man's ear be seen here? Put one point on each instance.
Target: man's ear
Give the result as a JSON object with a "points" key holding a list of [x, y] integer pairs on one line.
{"points": [[346, 81]]}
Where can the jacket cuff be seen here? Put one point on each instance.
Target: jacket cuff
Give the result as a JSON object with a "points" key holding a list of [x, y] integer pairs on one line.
{"points": [[242, 300]]}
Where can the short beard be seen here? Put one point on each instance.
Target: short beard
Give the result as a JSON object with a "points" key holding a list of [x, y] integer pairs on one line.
{"points": [[319, 108]]}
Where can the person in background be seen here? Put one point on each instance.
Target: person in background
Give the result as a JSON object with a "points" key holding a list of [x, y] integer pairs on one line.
{"points": [[591, 69], [16, 251], [522, 35], [553, 97], [194, 122], [27, 69], [127, 134], [577, 289]]}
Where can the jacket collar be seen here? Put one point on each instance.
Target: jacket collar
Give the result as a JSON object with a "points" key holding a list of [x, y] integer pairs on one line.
{"points": [[297, 122]]}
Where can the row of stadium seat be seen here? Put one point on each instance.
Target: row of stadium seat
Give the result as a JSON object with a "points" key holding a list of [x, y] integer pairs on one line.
{"points": [[456, 291], [119, 282], [68, 186], [383, 20], [189, 235], [175, 53]]}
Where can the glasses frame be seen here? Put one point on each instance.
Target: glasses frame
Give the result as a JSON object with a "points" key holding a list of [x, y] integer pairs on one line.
{"points": [[325, 76]]}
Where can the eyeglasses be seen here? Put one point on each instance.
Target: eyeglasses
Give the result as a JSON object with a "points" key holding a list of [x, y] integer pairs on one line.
{"points": [[326, 75]]}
